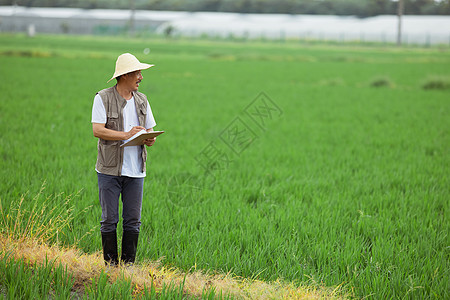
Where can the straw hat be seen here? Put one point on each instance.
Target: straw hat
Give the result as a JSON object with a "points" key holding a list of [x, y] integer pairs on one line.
{"points": [[127, 63]]}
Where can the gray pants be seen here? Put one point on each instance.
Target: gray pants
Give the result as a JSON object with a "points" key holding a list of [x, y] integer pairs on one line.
{"points": [[131, 189]]}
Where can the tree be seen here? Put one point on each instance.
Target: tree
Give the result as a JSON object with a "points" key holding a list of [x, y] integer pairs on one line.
{"points": [[415, 7], [361, 8], [444, 7]]}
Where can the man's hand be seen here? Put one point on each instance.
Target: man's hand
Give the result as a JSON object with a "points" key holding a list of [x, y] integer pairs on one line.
{"points": [[150, 142], [134, 130]]}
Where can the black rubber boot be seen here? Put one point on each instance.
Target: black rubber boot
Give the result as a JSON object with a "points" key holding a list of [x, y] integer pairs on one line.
{"points": [[129, 247], [109, 244]]}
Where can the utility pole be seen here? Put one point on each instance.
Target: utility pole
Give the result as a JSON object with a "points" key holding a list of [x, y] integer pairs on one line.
{"points": [[400, 9]]}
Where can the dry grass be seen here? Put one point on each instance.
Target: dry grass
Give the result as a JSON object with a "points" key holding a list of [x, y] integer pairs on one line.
{"points": [[86, 267]]}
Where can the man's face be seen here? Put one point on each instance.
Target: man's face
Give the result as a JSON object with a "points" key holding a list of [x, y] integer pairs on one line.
{"points": [[133, 79]]}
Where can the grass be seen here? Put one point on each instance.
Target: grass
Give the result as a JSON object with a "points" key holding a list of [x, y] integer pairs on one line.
{"points": [[347, 186], [381, 82], [437, 83], [32, 267]]}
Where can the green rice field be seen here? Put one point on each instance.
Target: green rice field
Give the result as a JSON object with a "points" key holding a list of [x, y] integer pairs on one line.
{"points": [[308, 162]]}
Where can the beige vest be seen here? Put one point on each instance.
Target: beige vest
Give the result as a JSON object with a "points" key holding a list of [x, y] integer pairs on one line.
{"points": [[110, 155]]}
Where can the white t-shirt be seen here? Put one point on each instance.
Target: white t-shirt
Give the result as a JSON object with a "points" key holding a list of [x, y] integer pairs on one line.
{"points": [[131, 166]]}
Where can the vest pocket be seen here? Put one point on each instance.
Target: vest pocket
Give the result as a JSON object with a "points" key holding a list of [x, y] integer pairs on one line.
{"points": [[109, 153], [142, 115], [112, 121]]}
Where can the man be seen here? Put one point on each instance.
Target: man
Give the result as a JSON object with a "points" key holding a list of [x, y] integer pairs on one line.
{"points": [[118, 113]]}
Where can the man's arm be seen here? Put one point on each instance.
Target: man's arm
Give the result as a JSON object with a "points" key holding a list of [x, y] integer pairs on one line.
{"points": [[100, 131]]}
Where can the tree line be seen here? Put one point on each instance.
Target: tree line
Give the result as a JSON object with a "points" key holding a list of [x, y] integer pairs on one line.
{"points": [[360, 8]]}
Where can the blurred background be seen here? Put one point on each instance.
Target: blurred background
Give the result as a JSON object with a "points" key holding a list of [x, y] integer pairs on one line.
{"points": [[423, 22]]}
